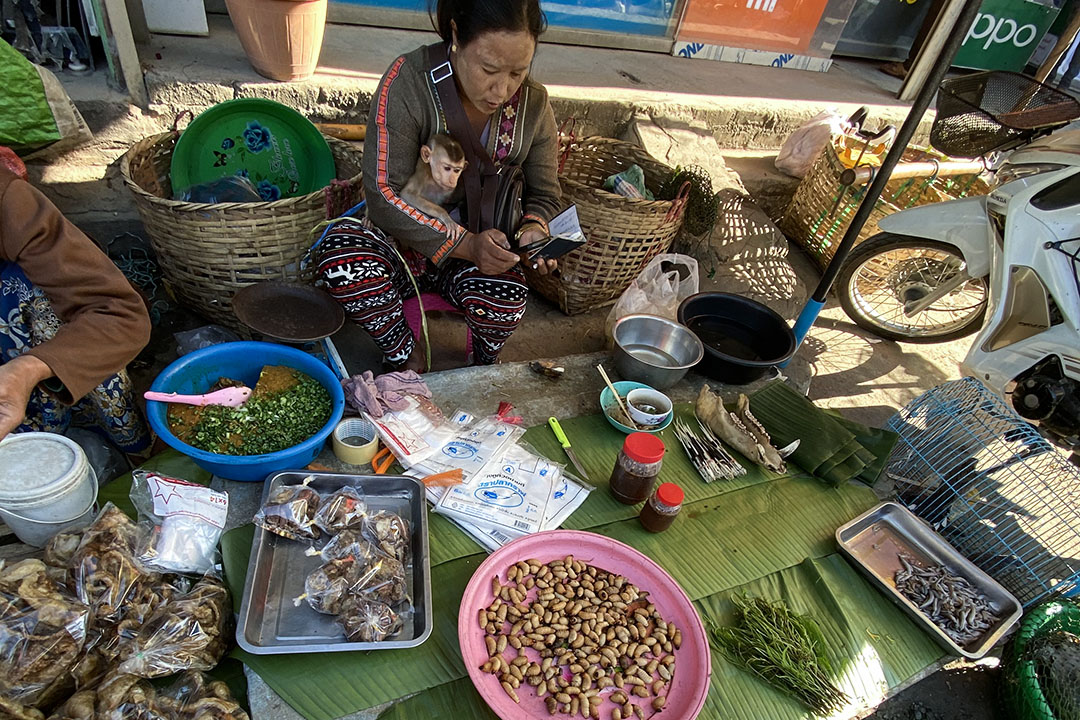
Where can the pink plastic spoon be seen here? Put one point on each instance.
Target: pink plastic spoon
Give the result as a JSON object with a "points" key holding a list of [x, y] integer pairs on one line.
{"points": [[229, 397]]}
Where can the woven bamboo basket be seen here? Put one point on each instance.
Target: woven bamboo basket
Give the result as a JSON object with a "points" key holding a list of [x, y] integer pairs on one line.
{"points": [[822, 209], [208, 251], [624, 234]]}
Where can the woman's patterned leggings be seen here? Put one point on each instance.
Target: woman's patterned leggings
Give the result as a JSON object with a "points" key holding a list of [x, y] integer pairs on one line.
{"points": [[364, 272]]}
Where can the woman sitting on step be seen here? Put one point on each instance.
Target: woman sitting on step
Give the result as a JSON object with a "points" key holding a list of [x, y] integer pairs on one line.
{"points": [[475, 87]]}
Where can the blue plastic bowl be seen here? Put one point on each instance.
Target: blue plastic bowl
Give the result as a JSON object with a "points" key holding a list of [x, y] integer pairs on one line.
{"points": [[608, 404], [196, 372]]}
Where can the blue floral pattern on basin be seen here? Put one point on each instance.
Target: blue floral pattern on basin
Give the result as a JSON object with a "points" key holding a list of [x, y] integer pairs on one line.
{"points": [[256, 137], [268, 191], [227, 143]]}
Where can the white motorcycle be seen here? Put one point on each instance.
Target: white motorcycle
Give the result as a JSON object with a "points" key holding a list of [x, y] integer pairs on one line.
{"points": [[1004, 264]]}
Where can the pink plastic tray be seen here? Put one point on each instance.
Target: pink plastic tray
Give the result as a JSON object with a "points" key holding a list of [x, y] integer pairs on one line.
{"points": [[686, 696]]}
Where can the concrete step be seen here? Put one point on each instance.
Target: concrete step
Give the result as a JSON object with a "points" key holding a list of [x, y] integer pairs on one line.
{"points": [[742, 106]]}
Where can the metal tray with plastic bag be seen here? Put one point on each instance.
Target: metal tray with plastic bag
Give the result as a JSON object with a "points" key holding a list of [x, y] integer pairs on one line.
{"points": [[273, 621]]}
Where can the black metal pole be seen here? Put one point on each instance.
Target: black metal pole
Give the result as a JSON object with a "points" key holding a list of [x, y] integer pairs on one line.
{"points": [[903, 137]]}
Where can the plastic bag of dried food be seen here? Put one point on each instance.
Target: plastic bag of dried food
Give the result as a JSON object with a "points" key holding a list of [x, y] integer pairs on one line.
{"points": [[383, 580], [194, 696], [365, 620], [389, 533], [188, 632], [118, 697], [347, 542], [61, 547], [327, 586], [290, 512], [43, 630], [104, 572], [182, 522], [12, 710], [342, 510]]}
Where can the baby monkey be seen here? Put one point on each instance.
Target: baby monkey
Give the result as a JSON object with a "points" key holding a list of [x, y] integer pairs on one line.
{"points": [[436, 176]]}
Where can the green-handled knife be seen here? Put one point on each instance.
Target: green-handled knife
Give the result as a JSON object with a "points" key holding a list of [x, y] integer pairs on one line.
{"points": [[565, 442]]}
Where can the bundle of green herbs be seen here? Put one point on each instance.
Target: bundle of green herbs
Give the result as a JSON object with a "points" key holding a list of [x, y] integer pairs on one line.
{"points": [[266, 423], [785, 649]]}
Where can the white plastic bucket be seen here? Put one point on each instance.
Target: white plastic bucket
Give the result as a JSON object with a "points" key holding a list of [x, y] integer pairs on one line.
{"points": [[46, 486]]}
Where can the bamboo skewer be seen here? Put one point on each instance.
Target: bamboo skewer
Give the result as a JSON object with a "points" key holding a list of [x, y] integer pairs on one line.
{"points": [[618, 399]]}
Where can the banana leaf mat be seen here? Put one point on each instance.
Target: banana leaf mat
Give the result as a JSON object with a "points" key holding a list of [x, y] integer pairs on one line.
{"points": [[871, 644], [730, 535]]}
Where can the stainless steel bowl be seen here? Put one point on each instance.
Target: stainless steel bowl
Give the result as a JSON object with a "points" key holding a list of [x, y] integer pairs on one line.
{"points": [[654, 350]]}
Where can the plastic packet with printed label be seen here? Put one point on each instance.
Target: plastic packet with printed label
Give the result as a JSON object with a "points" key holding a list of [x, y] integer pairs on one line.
{"points": [[290, 512], [476, 444], [183, 523], [510, 495], [342, 510], [415, 433]]}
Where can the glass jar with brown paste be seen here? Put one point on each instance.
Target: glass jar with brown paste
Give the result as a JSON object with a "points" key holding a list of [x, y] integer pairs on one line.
{"points": [[660, 511], [635, 471]]}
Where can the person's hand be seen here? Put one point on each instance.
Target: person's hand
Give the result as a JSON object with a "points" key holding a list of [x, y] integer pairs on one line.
{"points": [[18, 378], [488, 250], [531, 233]]}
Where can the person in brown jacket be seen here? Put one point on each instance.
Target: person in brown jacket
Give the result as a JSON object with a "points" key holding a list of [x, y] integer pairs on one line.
{"points": [[488, 46], [69, 323]]}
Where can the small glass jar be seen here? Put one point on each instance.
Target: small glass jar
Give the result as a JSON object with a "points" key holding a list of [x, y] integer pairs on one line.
{"points": [[635, 471], [660, 511]]}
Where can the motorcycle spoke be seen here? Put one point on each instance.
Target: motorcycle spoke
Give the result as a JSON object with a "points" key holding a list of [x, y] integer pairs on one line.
{"points": [[884, 283]]}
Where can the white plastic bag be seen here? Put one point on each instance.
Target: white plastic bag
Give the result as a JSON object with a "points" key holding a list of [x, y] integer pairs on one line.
{"points": [[665, 282], [803, 146]]}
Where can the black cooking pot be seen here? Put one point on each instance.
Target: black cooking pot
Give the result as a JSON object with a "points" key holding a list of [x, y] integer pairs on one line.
{"points": [[742, 337]]}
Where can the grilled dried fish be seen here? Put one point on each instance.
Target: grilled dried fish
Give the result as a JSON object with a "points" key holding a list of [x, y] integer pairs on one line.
{"points": [[730, 428]]}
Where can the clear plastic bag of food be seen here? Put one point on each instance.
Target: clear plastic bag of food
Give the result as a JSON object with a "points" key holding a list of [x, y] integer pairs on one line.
{"points": [[188, 632], [104, 572], [383, 580], [195, 696], [347, 542], [290, 512], [327, 586], [43, 630], [366, 620], [389, 533], [342, 510], [182, 523]]}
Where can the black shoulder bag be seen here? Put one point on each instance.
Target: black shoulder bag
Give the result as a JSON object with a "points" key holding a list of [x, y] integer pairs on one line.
{"points": [[492, 194]]}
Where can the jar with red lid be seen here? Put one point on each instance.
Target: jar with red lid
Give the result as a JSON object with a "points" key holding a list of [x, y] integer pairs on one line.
{"points": [[660, 511], [635, 471]]}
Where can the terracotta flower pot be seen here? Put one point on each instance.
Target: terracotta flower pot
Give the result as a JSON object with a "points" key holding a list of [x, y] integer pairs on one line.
{"points": [[281, 38]]}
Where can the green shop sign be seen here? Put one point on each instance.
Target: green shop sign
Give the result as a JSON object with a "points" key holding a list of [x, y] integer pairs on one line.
{"points": [[1005, 33]]}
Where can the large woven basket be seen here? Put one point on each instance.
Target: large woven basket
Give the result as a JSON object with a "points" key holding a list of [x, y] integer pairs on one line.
{"points": [[624, 234], [822, 208], [209, 251]]}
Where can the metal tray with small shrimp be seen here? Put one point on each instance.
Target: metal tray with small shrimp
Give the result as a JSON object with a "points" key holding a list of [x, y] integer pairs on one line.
{"points": [[873, 543]]}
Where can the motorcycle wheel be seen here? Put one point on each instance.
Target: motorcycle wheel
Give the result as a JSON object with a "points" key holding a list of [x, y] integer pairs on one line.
{"points": [[883, 273]]}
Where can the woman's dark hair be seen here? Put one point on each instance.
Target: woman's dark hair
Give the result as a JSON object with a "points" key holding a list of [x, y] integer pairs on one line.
{"points": [[476, 17]]}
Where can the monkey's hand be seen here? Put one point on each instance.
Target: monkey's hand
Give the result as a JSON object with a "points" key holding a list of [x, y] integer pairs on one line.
{"points": [[488, 250]]}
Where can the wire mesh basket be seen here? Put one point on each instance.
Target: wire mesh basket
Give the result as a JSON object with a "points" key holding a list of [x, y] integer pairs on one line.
{"points": [[995, 110], [986, 480]]}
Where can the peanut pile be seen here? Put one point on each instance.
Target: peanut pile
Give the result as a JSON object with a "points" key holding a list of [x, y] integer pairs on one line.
{"points": [[594, 635]]}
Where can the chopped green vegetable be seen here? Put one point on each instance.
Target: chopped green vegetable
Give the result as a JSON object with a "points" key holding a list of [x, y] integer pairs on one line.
{"points": [[266, 423], [783, 648]]}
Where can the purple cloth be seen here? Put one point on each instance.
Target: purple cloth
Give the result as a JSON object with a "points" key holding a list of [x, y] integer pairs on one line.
{"points": [[390, 391]]}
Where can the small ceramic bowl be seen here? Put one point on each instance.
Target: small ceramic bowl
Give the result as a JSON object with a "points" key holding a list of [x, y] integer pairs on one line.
{"points": [[611, 410], [647, 406]]}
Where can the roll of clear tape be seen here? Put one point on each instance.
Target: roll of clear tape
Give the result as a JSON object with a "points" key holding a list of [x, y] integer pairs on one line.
{"points": [[355, 441]]}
